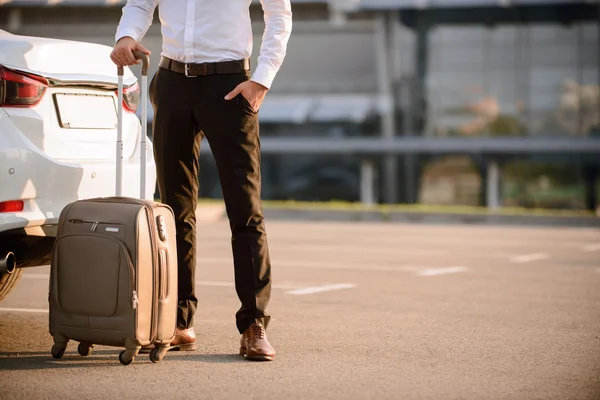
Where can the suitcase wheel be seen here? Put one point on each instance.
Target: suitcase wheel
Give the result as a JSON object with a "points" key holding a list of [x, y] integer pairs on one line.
{"points": [[126, 357], [158, 353], [85, 349], [58, 350]]}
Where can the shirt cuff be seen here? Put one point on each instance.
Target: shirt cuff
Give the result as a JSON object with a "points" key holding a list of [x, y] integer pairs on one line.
{"points": [[123, 32], [264, 75]]}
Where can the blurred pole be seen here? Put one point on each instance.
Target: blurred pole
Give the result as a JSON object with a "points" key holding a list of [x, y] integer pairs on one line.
{"points": [[590, 175], [395, 42], [493, 184], [15, 20], [409, 161], [388, 128], [367, 182]]}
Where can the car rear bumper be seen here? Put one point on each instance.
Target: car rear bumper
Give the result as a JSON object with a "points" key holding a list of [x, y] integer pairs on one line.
{"points": [[44, 201]]}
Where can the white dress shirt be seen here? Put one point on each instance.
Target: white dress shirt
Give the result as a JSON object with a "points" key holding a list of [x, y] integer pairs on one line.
{"points": [[196, 31]]}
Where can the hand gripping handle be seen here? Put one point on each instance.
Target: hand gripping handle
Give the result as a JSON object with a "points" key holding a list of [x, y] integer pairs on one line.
{"points": [[138, 56]]}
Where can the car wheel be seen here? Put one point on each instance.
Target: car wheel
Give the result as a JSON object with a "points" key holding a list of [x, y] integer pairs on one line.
{"points": [[8, 282]]}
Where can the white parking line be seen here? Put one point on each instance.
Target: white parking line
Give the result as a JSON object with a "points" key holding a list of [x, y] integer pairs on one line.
{"points": [[329, 265], [591, 247], [341, 248], [291, 288], [441, 271], [319, 289], [420, 270], [199, 282], [525, 258], [231, 284], [19, 310]]}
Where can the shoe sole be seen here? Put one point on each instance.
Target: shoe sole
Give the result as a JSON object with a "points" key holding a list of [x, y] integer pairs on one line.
{"points": [[177, 347], [183, 347], [256, 357]]}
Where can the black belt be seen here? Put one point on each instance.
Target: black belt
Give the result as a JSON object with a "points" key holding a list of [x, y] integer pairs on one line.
{"points": [[203, 69]]}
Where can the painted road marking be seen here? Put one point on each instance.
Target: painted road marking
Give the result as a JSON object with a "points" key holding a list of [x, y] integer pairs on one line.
{"points": [[441, 271], [320, 289], [199, 282], [291, 288], [419, 270], [232, 284], [316, 265], [328, 265], [336, 248], [29, 310], [591, 247], [525, 258]]}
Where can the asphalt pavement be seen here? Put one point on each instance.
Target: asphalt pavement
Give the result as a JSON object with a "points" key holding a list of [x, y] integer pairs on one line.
{"points": [[360, 311]]}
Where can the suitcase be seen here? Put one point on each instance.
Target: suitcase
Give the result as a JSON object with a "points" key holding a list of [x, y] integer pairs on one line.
{"points": [[113, 275]]}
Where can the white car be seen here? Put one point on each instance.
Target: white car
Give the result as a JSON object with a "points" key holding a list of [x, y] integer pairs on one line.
{"points": [[58, 118]]}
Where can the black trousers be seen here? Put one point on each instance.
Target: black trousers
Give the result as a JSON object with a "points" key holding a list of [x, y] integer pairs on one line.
{"points": [[185, 110]]}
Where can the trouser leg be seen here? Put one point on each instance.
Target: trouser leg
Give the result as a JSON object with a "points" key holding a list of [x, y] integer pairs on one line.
{"points": [[176, 142], [232, 130]]}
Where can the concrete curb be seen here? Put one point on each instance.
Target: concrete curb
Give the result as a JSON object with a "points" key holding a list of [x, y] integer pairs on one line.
{"points": [[429, 217], [215, 212]]}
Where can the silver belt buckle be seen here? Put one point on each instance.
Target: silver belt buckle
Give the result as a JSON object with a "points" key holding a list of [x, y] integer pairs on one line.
{"points": [[187, 71]]}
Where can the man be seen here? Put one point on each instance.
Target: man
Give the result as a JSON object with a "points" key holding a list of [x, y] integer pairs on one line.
{"points": [[204, 88]]}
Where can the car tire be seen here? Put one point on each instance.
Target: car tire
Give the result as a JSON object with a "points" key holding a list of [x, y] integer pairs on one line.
{"points": [[8, 282]]}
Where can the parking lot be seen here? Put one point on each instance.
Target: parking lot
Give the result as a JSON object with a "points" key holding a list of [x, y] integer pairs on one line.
{"points": [[360, 311]]}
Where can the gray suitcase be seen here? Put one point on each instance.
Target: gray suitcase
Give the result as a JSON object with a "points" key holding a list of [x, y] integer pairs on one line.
{"points": [[113, 276]]}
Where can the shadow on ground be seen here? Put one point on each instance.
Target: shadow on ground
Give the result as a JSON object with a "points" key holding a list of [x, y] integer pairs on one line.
{"points": [[14, 361]]}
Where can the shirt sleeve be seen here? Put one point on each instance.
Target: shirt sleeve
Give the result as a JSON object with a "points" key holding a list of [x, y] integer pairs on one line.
{"points": [[278, 27], [136, 19]]}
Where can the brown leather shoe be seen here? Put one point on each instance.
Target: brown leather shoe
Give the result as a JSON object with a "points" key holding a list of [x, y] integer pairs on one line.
{"points": [[254, 344], [184, 340]]}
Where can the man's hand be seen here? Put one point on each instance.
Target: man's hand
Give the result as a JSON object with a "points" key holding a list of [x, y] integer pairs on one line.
{"points": [[253, 92], [122, 54]]}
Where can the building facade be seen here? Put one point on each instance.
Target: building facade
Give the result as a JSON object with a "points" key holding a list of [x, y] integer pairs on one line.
{"points": [[408, 70]]}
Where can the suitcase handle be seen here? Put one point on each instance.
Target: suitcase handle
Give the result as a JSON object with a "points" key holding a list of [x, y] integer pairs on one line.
{"points": [[138, 56], [143, 148]]}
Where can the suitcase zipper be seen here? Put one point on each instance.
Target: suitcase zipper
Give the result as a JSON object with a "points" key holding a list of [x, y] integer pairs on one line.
{"points": [[94, 223]]}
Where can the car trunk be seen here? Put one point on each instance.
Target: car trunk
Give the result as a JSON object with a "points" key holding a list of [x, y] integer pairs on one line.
{"points": [[76, 118]]}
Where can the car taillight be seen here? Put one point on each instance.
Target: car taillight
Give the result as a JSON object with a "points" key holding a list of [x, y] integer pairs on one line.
{"points": [[11, 206], [131, 98], [19, 89]]}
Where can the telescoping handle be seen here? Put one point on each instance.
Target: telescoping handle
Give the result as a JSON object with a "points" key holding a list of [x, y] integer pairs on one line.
{"points": [[144, 89]]}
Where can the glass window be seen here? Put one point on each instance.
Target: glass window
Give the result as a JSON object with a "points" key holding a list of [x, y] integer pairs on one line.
{"points": [[537, 79], [590, 32], [553, 34]]}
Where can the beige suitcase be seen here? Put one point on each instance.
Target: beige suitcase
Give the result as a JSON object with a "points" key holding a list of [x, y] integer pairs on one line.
{"points": [[113, 278]]}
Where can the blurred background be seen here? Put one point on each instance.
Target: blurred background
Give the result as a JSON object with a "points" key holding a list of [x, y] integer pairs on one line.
{"points": [[443, 102]]}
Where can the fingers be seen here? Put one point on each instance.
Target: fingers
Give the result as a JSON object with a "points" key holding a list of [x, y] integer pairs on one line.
{"points": [[122, 54], [140, 47], [115, 59], [127, 54], [122, 57], [234, 92]]}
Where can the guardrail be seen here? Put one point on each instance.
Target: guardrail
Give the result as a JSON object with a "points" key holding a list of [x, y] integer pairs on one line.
{"points": [[429, 145], [490, 147]]}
